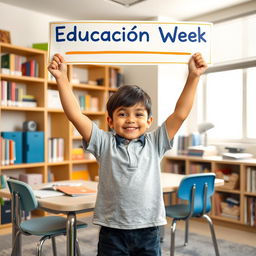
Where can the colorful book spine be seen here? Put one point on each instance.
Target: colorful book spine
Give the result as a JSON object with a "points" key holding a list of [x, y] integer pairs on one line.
{"points": [[7, 152], [55, 150], [30, 68], [17, 148], [11, 64]]}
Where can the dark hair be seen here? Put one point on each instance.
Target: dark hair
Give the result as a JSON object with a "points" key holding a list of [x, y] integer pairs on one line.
{"points": [[127, 96]]}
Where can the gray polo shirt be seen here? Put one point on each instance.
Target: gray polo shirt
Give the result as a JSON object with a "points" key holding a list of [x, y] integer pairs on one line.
{"points": [[129, 191]]}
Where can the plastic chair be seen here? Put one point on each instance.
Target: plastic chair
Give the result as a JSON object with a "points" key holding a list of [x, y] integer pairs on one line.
{"points": [[48, 227], [197, 190]]}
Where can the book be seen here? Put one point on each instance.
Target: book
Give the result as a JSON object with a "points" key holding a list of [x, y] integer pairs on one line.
{"points": [[75, 190], [18, 149], [80, 175], [202, 151], [53, 99], [77, 154], [55, 150], [40, 46], [47, 193]]}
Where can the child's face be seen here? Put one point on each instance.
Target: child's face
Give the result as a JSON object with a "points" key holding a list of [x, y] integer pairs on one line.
{"points": [[130, 122]]}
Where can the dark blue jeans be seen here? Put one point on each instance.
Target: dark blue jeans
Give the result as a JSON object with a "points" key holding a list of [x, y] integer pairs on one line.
{"points": [[135, 242]]}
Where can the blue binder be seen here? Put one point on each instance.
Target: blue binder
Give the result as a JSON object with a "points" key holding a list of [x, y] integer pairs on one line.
{"points": [[17, 137], [33, 147]]}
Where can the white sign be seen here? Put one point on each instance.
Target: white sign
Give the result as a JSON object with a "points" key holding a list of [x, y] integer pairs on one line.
{"points": [[129, 42]]}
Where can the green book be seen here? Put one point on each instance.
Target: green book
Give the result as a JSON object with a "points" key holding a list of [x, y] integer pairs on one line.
{"points": [[40, 46], [5, 61]]}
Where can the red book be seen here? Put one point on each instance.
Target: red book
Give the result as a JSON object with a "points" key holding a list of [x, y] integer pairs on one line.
{"points": [[13, 86], [32, 68]]}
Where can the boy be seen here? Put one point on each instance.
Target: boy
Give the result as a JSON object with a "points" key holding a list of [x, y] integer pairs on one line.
{"points": [[129, 206]]}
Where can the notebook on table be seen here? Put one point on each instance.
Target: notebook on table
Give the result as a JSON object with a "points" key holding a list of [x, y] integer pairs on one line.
{"points": [[47, 193], [75, 190]]}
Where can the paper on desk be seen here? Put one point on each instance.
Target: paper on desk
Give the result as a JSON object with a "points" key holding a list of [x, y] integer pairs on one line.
{"points": [[53, 186], [47, 193]]}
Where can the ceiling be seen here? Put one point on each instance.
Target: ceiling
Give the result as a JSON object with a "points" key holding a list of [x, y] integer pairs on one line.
{"points": [[104, 9]]}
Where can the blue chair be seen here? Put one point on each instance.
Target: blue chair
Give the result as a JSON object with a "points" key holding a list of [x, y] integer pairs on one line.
{"points": [[197, 190], [48, 227]]}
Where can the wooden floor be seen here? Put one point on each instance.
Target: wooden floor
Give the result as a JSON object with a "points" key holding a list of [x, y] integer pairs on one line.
{"points": [[225, 233]]}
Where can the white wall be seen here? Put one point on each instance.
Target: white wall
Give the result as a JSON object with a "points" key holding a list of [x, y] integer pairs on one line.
{"points": [[145, 77], [26, 26]]}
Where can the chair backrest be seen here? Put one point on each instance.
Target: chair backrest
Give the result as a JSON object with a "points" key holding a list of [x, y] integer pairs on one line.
{"points": [[203, 182], [28, 201]]}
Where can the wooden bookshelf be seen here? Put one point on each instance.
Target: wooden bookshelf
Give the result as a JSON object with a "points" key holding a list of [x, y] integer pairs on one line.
{"points": [[188, 165], [91, 80]]}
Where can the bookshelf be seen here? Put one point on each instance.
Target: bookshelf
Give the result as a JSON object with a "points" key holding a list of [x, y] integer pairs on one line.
{"points": [[234, 203], [95, 82]]}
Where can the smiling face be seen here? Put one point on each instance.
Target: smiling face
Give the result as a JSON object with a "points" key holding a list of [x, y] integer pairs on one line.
{"points": [[130, 122]]}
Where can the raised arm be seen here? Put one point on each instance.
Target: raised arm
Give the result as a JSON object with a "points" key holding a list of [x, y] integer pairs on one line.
{"points": [[197, 67], [83, 124]]}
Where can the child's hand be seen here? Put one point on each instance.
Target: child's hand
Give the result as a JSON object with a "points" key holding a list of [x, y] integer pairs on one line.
{"points": [[197, 65], [57, 67]]}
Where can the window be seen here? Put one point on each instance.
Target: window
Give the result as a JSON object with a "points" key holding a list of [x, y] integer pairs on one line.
{"points": [[228, 100], [228, 95], [222, 108], [251, 103]]}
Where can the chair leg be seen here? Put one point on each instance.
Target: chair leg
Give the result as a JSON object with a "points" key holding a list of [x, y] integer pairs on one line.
{"points": [[15, 244], [186, 231], [40, 244], [54, 246], [78, 252], [173, 228], [214, 240]]}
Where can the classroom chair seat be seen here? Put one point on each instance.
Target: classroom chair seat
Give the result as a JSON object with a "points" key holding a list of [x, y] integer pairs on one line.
{"points": [[196, 190], [48, 227]]}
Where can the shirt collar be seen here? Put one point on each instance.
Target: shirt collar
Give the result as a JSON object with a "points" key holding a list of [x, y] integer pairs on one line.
{"points": [[122, 140]]}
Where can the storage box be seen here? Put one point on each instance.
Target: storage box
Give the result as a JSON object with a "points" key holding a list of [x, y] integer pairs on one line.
{"points": [[6, 215], [31, 178], [33, 147]]}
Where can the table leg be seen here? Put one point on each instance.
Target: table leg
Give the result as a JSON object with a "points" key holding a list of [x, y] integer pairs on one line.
{"points": [[71, 234]]}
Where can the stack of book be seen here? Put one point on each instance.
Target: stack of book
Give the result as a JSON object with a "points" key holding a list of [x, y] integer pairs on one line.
{"points": [[202, 151], [78, 154], [236, 156], [28, 101]]}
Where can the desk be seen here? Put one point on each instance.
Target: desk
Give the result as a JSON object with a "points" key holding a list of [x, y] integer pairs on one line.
{"points": [[73, 205]]}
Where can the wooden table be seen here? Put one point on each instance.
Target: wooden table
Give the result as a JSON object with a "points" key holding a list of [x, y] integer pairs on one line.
{"points": [[73, 205]]}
